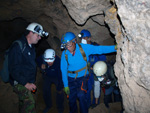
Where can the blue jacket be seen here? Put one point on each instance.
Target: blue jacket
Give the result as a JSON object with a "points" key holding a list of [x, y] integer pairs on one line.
{"points": [[53, 71], [77, 62], [22, 65]]}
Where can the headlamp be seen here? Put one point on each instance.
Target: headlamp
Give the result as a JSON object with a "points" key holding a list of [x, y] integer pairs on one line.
{"points": [[44, 33], [63, 46], [80, 35], [38, 30]]}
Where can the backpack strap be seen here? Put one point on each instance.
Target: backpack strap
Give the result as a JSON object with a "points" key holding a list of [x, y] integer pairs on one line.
{"points": [[22, 47]]}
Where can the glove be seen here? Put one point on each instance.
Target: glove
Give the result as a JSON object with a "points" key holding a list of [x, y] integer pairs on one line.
{"points": [[116, 47], [43, 66], [67, 91]]}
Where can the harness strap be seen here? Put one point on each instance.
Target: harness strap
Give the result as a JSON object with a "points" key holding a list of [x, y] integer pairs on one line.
{"points": [[73, 72], [66, 56], [82, 52], [84, 57]]}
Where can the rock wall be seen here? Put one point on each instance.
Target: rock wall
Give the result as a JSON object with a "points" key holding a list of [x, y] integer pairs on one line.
{"points": [[129, 22], [133, 56]]}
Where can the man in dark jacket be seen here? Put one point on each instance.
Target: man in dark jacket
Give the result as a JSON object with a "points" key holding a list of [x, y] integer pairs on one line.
{"points": [[22, 67], [49, 64]]}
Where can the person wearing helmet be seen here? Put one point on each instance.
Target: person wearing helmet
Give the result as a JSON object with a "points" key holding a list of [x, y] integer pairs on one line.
{"points": [[99, 69], [49, 64], [105, 74], [93, 83], [23, 66], [74, 69], [38, 29]]}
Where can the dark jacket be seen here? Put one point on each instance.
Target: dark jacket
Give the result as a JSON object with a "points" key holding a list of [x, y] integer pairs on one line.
{"points": [[109, 76], [53, 71], [22, 65]]}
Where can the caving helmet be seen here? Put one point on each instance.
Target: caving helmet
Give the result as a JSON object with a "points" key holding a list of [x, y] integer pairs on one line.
{"points": [[84, 33], [37, 28], [49, 55], [66, 39], [99, 69]]}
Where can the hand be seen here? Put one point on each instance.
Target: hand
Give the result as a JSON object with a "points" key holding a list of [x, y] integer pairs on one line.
{"points": [[67, 91], [116, 47], [30, 86], [43, 66]]}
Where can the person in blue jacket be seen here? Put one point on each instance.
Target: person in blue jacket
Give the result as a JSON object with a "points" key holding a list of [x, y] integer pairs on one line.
{"points": [[49, 63], [22, 66], [93, 83], [74, 69]]}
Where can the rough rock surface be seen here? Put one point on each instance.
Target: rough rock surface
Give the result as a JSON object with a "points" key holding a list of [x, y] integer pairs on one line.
{"points": [[133, 60], [81, 10]]}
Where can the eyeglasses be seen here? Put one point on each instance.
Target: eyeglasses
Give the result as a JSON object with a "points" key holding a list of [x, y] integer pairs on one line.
{"points": [[48, 58], [69, 44]]}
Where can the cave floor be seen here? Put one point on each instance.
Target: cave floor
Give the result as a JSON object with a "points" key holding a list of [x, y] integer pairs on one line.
{"points": [[9, 100]]}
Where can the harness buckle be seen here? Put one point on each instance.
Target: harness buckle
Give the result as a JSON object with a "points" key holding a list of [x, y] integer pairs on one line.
{"points": [[73, 72]]}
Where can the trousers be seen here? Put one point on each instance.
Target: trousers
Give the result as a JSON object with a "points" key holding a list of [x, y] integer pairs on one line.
{"points": [[47, 93], [26, 100], [77, 93]]}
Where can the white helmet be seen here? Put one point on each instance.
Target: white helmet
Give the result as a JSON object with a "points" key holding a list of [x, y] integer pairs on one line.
{"points": [[100, 68], [49, 55], [37, 28]]}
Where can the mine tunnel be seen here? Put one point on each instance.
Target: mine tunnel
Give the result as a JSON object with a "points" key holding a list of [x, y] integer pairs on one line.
{"points": [[109, 21]]}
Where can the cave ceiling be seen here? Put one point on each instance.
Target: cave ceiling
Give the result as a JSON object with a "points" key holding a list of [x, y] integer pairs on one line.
{"points": [[57, 17]]}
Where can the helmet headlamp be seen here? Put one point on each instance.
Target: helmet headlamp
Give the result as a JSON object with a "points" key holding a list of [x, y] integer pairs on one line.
{"points": [[63, 46], [84, 33], [68, 44], [38, 30], [80, 35], [44, 33]]}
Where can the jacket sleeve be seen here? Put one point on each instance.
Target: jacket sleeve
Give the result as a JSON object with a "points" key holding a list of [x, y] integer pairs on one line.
{"points": [[15, 64], [91, 49], [63, 67]]}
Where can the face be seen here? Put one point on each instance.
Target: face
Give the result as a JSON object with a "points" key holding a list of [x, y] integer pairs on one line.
{"points": [[101, 78], [50, 63], [34, 38], [88, 39], [71, 46]]}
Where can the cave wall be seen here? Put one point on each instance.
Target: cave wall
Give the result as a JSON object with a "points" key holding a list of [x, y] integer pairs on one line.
{"points": [[134, 55]]}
